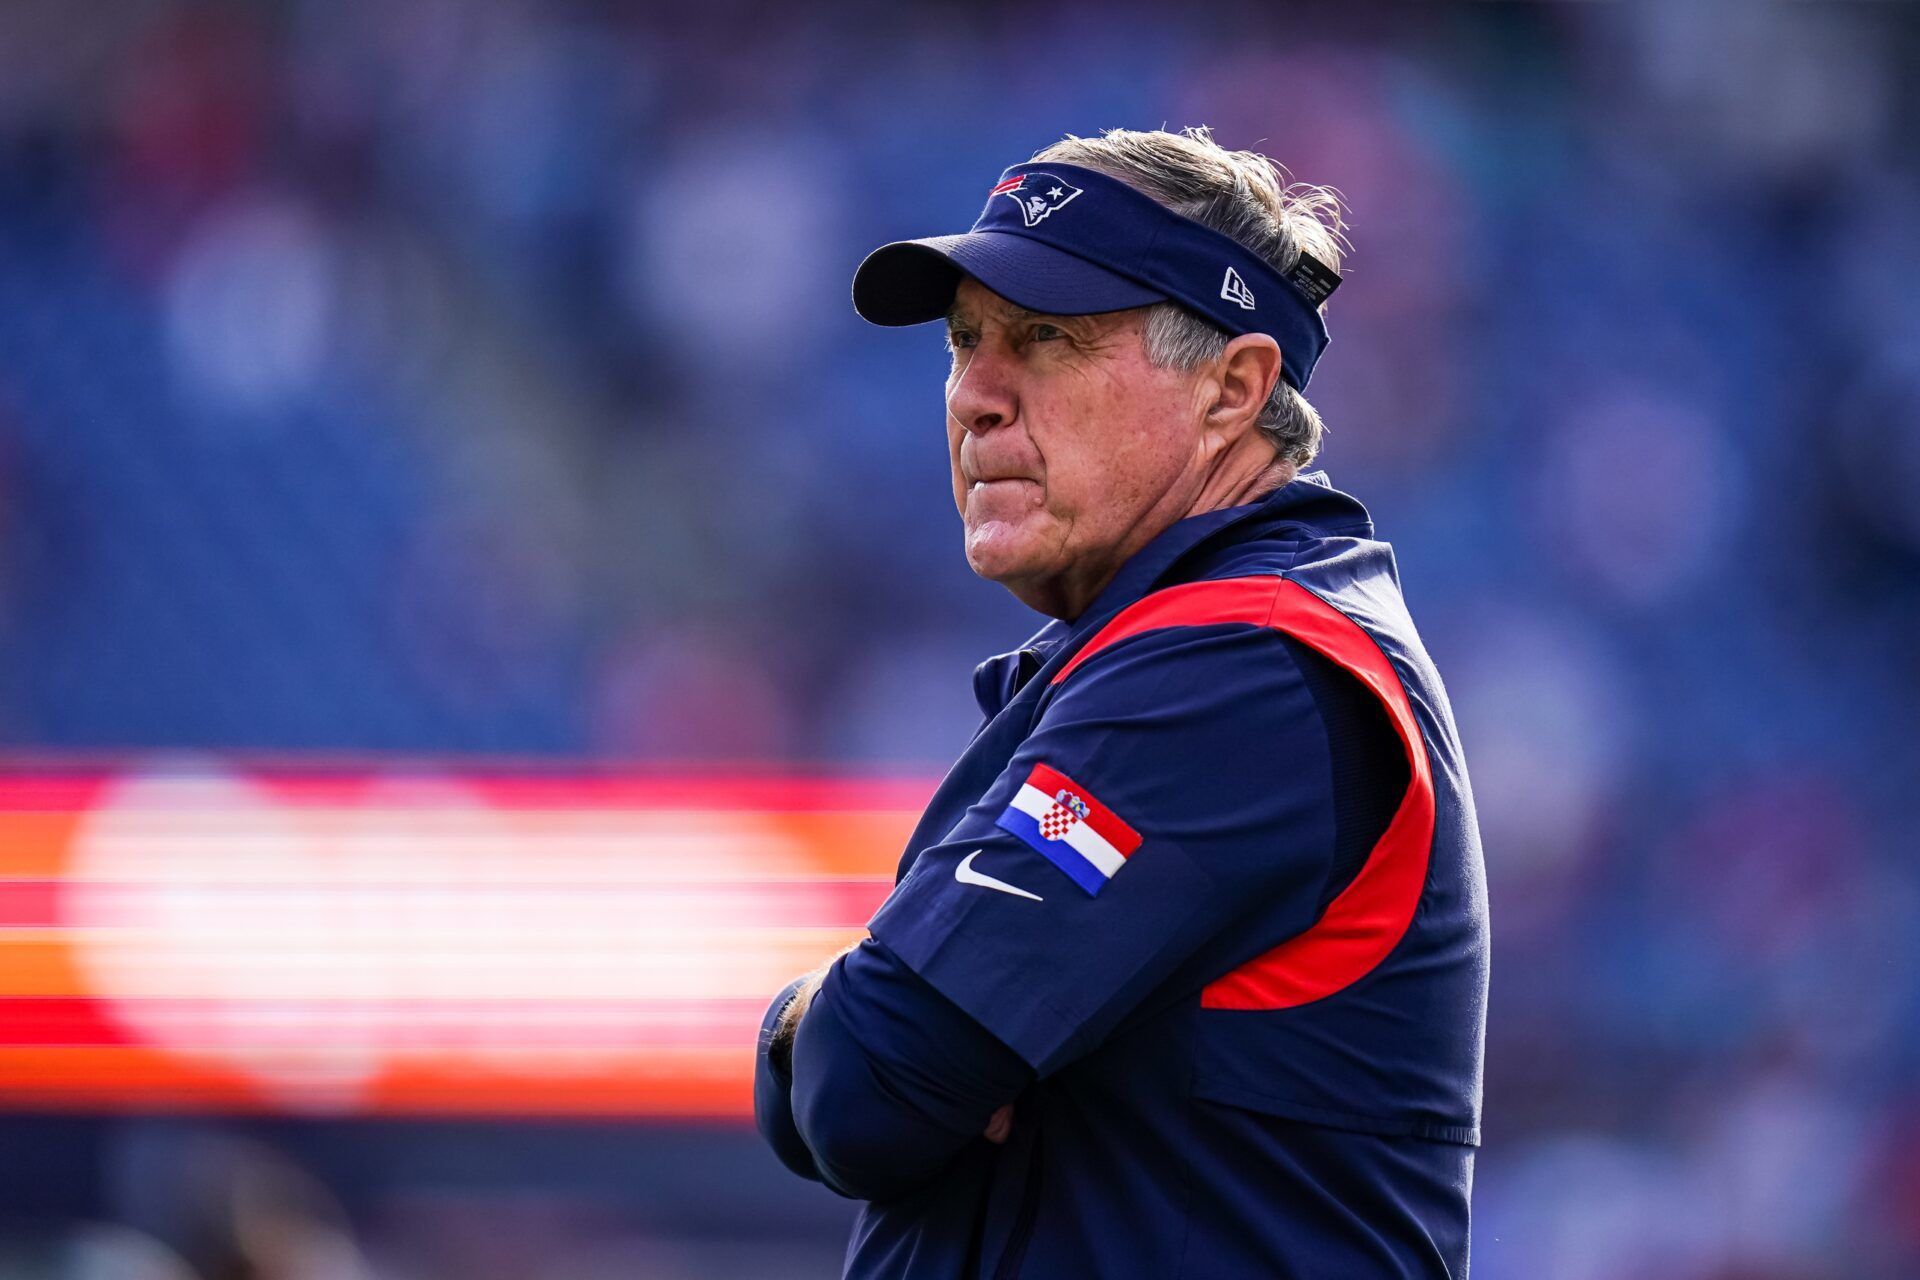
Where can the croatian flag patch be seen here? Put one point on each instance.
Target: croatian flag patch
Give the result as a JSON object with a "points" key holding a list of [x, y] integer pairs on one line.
{"points": [[1072, 830]]}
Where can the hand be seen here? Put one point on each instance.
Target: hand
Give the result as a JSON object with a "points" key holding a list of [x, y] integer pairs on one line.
{"points": [[1000, 1125], [780, 1046]]}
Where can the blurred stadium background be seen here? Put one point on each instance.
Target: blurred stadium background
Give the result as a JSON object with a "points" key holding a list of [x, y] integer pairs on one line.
{"points": [[478, 611]]}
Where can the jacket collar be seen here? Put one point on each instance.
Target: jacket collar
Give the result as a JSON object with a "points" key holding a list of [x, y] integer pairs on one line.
{"points": [[1308, 500]]}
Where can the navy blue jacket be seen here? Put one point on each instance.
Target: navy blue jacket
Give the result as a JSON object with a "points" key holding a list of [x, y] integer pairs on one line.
{"points": [[1204, 898]]}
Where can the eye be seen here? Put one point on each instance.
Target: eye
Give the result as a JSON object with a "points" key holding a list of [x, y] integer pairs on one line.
{"points": [[1047, 332], [960, 340]]}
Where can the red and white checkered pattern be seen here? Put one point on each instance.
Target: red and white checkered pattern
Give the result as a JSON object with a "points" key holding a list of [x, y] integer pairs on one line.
{"points": [[1059, 819]]}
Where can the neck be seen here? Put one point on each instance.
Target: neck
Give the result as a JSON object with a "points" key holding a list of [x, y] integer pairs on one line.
{"points": [[1236, 487]]}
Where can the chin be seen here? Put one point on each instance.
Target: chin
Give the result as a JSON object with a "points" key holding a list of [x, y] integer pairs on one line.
{"points": [[999, 554]]}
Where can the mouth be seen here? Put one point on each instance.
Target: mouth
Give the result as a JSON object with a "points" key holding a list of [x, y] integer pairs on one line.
{"points": [[986, 482]]}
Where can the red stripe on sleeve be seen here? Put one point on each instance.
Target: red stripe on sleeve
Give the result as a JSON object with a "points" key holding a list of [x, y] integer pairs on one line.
{"points": [[1368, 919]]}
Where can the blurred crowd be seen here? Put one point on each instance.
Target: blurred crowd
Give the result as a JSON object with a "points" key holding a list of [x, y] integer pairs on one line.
{"points": [[402, 377]]}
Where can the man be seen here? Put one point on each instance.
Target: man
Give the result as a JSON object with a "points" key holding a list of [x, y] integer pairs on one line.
{"points": [[1184, 972]]}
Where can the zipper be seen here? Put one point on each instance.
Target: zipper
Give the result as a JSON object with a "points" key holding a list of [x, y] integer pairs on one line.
{"points": [[1016, 1251]]}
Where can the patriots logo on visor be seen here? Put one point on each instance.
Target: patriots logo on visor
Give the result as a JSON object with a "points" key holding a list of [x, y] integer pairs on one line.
{"points": [[1037, 194]]}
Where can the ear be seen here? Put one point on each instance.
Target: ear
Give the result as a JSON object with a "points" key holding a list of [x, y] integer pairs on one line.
{"points": [[1244, 377]]}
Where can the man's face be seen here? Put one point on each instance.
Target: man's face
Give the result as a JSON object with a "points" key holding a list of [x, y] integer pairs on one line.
{"points": [[1070, 450]]}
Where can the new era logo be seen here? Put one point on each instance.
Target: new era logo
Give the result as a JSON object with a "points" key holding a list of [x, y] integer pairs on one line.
{"points": [[1234, 289]]}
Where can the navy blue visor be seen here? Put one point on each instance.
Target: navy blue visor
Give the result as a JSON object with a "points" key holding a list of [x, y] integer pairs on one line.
{"points": [[1070, 241]]}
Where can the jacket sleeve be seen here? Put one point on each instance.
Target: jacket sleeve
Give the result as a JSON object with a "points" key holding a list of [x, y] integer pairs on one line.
{"points": [[773, 1095], [891, 1080], [1176, 787], [1173, 804]]}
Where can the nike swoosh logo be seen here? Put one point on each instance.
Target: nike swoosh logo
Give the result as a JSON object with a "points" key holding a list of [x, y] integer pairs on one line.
{"points": [[965, 874]]}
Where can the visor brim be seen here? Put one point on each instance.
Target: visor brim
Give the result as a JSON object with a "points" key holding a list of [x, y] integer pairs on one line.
{"points": [[914, 281]]}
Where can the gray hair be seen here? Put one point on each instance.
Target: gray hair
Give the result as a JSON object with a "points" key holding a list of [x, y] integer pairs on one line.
{"points": [[1243, 195]]}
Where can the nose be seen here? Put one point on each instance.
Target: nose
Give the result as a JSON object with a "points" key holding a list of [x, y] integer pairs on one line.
{"points": [[981, 396]]}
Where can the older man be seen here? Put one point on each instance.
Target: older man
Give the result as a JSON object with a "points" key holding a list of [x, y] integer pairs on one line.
{"points": [[1184, 973]]}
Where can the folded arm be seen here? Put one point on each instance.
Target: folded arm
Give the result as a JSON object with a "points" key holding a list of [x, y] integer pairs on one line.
{"points": [[887, 1079], [1176, 780]]}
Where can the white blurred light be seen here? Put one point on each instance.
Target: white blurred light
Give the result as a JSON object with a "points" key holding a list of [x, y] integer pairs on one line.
{"points": [[248, 305], [314, 947], [1543, 724], [1643, 492], [728, 252]]}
